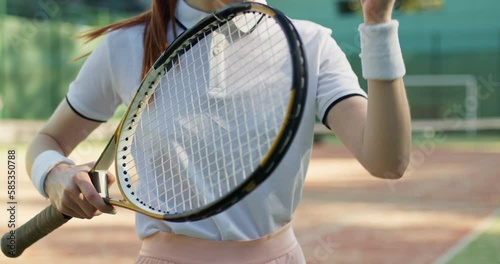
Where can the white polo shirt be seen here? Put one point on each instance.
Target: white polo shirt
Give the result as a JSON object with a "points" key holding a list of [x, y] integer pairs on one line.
{"points": [[112, 73]]}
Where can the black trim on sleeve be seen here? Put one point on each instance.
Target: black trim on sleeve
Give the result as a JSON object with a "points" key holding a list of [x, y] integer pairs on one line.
{"points": [[333, 104], [78, 113]]}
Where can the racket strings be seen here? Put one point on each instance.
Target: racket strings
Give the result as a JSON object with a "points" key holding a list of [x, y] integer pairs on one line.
{"points": [[188, 122], [176, 191], [194, 61], [211, 187], [207, 154], [181, 182], [163, 102], [263, 70]]}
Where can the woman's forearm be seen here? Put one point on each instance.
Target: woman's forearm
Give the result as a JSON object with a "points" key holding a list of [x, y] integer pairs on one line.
{"points": [[40, 143], [387, 135]]}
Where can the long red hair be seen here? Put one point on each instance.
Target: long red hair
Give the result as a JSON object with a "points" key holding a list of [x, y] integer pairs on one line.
{"points": [[155, 21]]}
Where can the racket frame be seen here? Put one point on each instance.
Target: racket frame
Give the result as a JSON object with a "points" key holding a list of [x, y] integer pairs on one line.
{"points": [[278, 148]]}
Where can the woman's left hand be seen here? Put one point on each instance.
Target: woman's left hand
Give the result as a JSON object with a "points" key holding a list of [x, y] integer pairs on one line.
{"points": [[377, 11]]}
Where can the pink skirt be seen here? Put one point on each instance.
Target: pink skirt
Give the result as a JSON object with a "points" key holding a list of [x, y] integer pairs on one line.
{"points": [[280, 247]]}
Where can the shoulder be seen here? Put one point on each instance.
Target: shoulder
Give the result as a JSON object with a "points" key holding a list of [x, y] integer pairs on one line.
{"points": [[125, 46], [318, 42], [317, 39], [125, 36], [310, 31]]}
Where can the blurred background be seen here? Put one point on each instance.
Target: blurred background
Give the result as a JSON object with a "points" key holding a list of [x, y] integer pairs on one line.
{"points": [[439, 38], [445, 209]]}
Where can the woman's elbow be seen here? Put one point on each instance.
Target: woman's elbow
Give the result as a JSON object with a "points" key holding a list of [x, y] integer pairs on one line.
{"points": [[390, 169]]}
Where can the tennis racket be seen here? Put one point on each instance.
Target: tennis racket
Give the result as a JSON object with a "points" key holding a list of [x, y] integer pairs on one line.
{"points": [[209, 123]]}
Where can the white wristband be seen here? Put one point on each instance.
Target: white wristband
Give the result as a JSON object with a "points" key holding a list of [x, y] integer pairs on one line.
{"points": [[381, 56], [45, 162]]}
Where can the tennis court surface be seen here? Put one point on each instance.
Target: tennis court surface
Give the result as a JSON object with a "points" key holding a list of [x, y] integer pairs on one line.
{"points": [[443, 211]]}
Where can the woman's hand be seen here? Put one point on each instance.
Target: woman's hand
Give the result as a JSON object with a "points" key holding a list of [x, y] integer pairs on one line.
{"points": [[377, 11], [72, 193]]}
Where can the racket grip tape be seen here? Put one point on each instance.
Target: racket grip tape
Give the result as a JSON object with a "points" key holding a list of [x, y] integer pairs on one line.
{"points": [[16, 241]]}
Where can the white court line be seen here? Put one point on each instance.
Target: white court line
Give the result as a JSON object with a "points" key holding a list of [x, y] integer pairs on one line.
{"points": [[464, 242]]}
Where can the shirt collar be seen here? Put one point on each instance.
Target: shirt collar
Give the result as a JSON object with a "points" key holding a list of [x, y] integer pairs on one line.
{"points": [[189, 16]]}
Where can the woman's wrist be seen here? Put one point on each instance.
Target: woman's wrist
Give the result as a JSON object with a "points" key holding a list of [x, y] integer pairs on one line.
{"points": [[377, 19], [381, 55], [43, 164]]}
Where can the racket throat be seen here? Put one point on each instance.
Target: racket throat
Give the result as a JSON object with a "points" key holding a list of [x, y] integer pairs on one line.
{"points": [[100, 181]]}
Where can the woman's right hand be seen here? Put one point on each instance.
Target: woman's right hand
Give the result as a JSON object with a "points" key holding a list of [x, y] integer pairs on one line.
{"points": [[71, 191]]}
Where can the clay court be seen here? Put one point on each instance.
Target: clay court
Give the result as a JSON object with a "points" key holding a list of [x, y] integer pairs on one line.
{"points": [[448, 194]]}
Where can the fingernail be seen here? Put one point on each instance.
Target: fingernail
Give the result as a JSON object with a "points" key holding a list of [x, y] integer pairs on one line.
{"points": [[113, 212]]}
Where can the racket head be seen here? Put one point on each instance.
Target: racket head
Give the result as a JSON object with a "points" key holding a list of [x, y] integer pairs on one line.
{"points": [[149, 141]]}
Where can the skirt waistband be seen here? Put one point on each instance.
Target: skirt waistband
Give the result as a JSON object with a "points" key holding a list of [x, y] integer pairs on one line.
{"points": [[184, 249]]}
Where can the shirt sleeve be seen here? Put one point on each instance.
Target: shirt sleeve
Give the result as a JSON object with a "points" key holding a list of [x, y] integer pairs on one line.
{"points": [[92, 94], [336, 81]]}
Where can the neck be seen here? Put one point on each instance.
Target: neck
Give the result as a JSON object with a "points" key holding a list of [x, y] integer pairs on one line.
{"points": [[209, 6]]}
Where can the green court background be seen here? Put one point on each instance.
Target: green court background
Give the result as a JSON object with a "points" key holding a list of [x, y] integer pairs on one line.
{"points": [[37, 46]]}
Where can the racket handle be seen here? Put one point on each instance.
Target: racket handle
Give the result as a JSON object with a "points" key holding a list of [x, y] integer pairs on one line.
{"points": [[16, 241]]}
